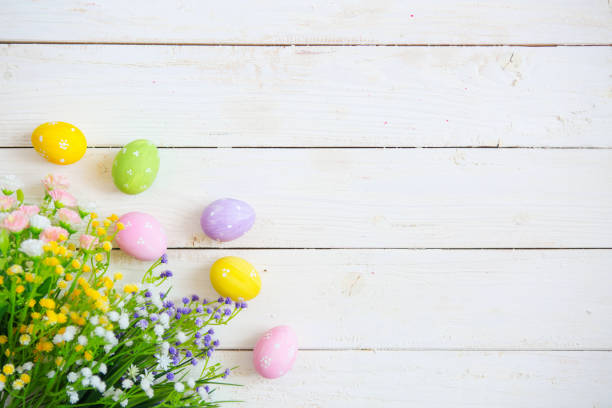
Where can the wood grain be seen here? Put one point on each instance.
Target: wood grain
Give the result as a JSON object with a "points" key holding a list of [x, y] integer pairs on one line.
{"points": [[312, 22], [428, 379], [375, 198], [407, 299], [311, 96]]}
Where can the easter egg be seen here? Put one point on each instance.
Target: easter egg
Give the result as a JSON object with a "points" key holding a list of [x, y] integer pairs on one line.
{"points": [[59, 142], [235, 278], [135, 166], [227, 219], [275, 352], [142, 236]]}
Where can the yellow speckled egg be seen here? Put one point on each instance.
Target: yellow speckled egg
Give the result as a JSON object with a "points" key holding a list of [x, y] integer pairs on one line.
{"points": [[235, 278], [59, 142]]}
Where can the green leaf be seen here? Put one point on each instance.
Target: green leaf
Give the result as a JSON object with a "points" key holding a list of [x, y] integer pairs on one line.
{"points": [[44, 288], [4, 242], [20, 196]]}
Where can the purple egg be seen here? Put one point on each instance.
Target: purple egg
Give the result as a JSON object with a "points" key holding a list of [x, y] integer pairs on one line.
{"points": [[227, 219]]}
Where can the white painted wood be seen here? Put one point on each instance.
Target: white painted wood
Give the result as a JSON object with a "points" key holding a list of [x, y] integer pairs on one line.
{"points": [[382, 198], [310, 96], [428, 379], [407, 299], [316, 21]]}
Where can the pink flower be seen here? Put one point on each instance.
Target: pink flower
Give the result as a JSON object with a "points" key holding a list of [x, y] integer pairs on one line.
{"points": [[16, 221], [7, 202], [69, 216], [87, 241], [30, 210], [63, 197], [53, 234], [55, 182]]}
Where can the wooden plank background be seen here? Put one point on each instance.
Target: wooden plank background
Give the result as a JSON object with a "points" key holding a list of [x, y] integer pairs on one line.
{"points": [[434, 218]]}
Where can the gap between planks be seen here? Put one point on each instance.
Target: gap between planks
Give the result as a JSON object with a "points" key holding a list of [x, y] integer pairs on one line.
{"points": [[230, 44]]}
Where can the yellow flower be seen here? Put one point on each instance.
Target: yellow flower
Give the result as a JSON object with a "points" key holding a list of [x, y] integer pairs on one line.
{"points": [[31, 303], [95, 224], [88, 356], [47, 303], [29, 277], [75, 264], [107, 246], [108, 282], [8, 369], [35, 315], [61, 250], [68, 277], [100, 231], [86, 268], [24, 339], [98, 257], [93, 215], [25, 378], [62, 237], [62, 284], [130, 288], [1, 280], [61, 318], [78, 348], [3, 339], [19, 289], [2, 378], [71, 246], [44, 345], [51, 316], [107, 223], [118, 276], [7, 352], [120, 226], [15, 269], [52, 261], [59, 361], [59, 269]]}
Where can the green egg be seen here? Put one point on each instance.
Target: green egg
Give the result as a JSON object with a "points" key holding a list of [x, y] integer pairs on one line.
{"points": [[135, 166]]}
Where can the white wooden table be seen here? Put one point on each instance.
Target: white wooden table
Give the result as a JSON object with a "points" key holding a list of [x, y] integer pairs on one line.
{"points": [[433, 179]]}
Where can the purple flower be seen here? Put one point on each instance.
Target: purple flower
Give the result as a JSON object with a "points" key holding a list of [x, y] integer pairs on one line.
{"points": [[244, 305], [195, 298], [197, 335], [226, 373], [216, 343], [172, 351], [188, 353], [228, 301], [209, 352], [164, 258], [178, 316], [143, 324], [199, 309], [207, 388], [177, 343], [185, 300], [206, 342], [198, 323], [204, 301], [153, 317], [147, 294], [176, 360], [162, 295], [208, 310], [170, 376], [186, 310], [168, 304], [217, 316], [207, 337], [227, 312], [194, 361], [197, 342], [237, 305], [211, 331], [221, 300], [166, 274]]}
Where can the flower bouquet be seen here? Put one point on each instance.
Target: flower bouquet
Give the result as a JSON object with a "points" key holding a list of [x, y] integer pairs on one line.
{"points": [[71, 334]]}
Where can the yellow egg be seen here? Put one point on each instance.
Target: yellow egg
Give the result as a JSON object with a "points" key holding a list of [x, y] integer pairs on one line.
{"points": [[59, 142], [235, 278]]}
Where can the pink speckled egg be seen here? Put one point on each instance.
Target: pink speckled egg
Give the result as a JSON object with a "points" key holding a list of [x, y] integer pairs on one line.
{"points": [[275, 352], [143, 237]]}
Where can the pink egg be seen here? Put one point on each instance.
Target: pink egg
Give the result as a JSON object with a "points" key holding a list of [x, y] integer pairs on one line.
{"points": [[143, 237], [275, 352]]}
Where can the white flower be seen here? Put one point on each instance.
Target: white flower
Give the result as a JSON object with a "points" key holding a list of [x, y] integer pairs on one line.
{"points": [[39, 222], [95, 319], [164, 319], [79, 361], [124, 402], [133, 372], [28, 366], [202, 392], [182, 337], [113, 316], [124, 321], [58, 338], [17, 385], [102, 369], [165, 346], [10, 182], [70, 333], [191, 383], [51, 374], [32, 247], [109, 392], [86, 372], [127, 384], [178, 386], [1, 386], [85, 381], [82, 340], [98, 384], [149, 392], [140, 300], [74, 397], [163, 361], [146, 380], [158, 329], [99, 331], [156, 300], [108, 348], [110, 337], [72, 377]]}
